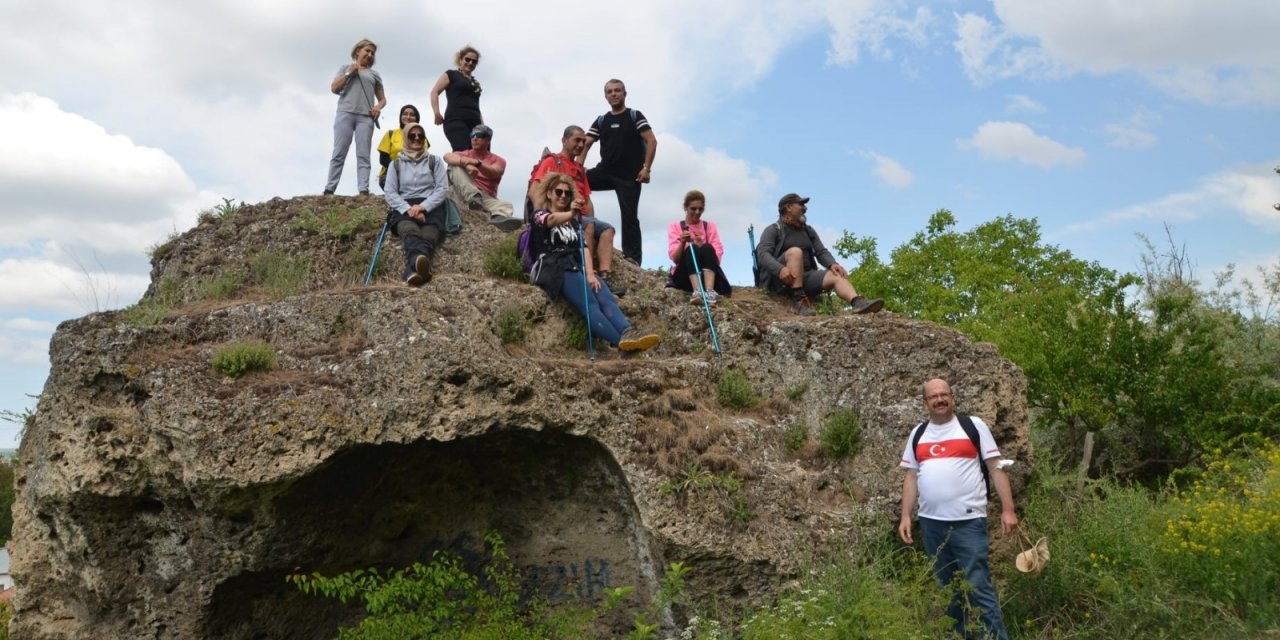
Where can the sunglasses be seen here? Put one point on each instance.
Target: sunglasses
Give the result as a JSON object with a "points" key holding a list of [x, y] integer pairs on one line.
{"points": [[477, 135], [562, 193], [417, 136], [470, 60]]}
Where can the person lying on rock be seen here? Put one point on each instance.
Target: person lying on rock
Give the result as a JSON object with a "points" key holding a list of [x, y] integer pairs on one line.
{"points": [[417, 183], [562, 266], [789, 254]]}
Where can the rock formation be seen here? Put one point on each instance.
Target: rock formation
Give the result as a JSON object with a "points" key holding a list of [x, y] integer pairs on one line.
{"points": [[160, 498]]}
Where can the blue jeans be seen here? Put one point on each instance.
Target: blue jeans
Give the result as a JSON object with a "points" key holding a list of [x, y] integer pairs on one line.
{"points": [[607, 320], [960, 547], [346, 127]]}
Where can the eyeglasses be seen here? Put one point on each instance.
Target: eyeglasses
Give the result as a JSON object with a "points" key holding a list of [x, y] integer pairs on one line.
{"points": [[470, 60], [562, 193], [417, 136]]}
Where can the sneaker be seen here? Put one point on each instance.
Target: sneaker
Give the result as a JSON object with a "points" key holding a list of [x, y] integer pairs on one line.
{"points": [[475, 202], [712, 297], [617, 289], [505, 223], [695, 298], [328, 192], [860, 304], [364, 192], [802, 306], [422, 268], [633, 340], [414, 280]]}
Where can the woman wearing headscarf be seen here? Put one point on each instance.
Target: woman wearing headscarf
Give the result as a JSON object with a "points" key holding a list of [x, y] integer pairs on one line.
{"points": [[393, 142], [702, 236], [563, 268], [463, 90], [360, 102], [416, 186]]}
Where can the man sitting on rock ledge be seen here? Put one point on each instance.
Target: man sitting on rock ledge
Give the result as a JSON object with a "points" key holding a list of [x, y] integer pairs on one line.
{"points": [[789, 255], [475, 174]]}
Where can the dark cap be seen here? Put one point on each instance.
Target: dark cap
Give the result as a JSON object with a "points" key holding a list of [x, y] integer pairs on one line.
{"points": [[482, 131], [790, 198]]}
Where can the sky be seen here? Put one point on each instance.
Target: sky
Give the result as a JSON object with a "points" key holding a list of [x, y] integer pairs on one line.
{"points": [[1102, 119]]}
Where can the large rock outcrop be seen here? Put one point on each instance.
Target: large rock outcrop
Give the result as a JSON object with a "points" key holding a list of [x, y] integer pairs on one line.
{"points": [[159, 498]]}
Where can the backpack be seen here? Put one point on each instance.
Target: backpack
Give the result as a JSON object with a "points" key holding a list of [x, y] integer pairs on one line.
{"points": [[600, 119], [970, 430]]}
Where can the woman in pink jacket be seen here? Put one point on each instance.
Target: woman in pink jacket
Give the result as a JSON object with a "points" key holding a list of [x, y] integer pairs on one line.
{"points": [[702, 236]]}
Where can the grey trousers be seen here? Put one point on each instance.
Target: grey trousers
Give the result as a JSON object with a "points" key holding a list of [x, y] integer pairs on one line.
{"points": [[345, 127]]}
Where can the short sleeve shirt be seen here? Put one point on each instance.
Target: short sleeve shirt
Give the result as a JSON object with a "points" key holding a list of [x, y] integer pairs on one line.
{"points": [[621, 146], [361, 91], [482, 180], [949, 476]]}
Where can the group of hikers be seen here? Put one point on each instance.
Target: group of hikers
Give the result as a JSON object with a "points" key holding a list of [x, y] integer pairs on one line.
{"points": [[570, 250]]}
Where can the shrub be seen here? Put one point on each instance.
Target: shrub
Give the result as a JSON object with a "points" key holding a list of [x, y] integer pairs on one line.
{"points": [[280, 275], [150, 311], [222, 286], [339, 221], [500, 260], [795, 436], [240, 358], [841, 434], [162, 249], [575, 333], [512, 324], [220, 212], [735, 391], [795, 393]]}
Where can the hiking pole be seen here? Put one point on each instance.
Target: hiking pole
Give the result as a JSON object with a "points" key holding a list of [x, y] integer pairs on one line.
{"points": [[376, 248], [715, 340], [751, 239], [586, 301]]}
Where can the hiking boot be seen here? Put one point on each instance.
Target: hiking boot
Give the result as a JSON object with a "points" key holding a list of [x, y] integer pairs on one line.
{"points": [[414, 280], [422, 269], [475, 202], [364, 192], [505, 223], [634, 340], [617, 289], [328, 192], [801, 306], [861, 304]]}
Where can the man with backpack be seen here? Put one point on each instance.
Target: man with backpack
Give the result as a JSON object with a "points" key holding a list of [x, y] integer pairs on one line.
{"points": [[474, 175], [627, 148], [599, 234], [948, 459], [789, 258]]}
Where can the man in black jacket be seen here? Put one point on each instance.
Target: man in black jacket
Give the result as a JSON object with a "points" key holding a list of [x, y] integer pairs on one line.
{"points": [[793, 260]]}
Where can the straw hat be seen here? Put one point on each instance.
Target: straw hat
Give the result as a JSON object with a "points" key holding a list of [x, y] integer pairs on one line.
{"points": [[1035, 559]]}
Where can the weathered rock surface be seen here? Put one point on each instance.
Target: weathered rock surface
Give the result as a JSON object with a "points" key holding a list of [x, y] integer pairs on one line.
{"points": [[161, 499]]}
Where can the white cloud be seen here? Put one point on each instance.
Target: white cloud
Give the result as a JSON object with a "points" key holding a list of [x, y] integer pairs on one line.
{"points": [[39, 283], [1247, 191], [1016, 141], [1222, 53], [19, 350], [1023, 104], [28, 324], [869, 25], [890, 171], [1125, 137]]}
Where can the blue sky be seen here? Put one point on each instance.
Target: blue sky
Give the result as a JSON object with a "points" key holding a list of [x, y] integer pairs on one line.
{"points": [[1101, 119]]}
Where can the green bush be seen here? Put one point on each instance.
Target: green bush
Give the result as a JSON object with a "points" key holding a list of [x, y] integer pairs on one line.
{"points": [[575, 333], [841, 434], [500, 260], [240, 358], [795, 393], [161, 249], [735, 391], [442, 600], [222, 286], [340, 221], [278, 274], [796, 435], [150, 311], [512, 324]]}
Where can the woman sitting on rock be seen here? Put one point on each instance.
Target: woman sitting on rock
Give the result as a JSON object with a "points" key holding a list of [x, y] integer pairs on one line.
{"points": [[702, 236], [416, 186], [563, 268]]}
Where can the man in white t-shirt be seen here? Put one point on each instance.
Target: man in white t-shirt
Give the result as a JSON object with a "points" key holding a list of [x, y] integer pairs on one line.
{"points": [[944, 473]]}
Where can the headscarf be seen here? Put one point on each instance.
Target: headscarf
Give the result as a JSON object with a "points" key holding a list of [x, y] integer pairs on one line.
{"points": [[407, 152]]}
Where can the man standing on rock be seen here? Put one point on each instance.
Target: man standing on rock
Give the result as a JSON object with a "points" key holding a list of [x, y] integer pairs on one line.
{"points": [[474, 175], [627, 147], [943, 471]]}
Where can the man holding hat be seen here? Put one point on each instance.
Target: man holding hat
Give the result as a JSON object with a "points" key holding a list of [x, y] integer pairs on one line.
{"points": [[942, 459], [790, 255], [474, 175]]}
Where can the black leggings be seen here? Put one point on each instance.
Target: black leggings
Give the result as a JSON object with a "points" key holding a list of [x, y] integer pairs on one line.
{"points": [[458, 132]]}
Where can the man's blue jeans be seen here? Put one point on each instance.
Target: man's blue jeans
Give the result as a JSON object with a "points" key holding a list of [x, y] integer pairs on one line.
{"points": [[960, 547]]}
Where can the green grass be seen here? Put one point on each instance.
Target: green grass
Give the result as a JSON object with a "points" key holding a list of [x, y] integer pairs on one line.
{"points": [[220, 212], [150, 311], [512, 324], [735, 391], [340, 221], [278, 274], [240, 358], [222, 286], [841, 434], [500, 260], [796, 435]]}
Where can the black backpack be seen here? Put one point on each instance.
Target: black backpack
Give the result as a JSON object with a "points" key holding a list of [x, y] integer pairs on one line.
{"points": [[970, 430]]}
